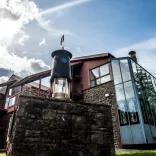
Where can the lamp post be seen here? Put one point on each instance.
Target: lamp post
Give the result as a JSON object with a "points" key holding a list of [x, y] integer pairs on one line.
{"points": [[61, 73]]}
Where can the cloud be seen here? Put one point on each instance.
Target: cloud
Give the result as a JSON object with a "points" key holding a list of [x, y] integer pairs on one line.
{"points": [[23, 38], [14, 15], [43, 23], [3, 79], [47, 25], [18, 64], [146, 53], [42, 42], [147, 45], [63, 6], [22, 25]]}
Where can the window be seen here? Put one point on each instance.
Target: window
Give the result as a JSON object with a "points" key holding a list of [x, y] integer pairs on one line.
{"points": [[116, 72], [122, 108], [12, 101], [99, 75], [146, 88], [131, 102], [125, 70], [126, 100]]}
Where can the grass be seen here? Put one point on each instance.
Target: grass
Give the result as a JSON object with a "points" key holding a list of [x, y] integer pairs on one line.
{"points": [[2, 154], [141, 153]]}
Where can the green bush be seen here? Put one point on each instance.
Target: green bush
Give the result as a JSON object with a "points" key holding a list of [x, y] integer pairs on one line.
{"points": [[142, 153]]}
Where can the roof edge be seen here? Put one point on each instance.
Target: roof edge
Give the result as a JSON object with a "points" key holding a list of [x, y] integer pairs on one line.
{"points": [[92, 57]]}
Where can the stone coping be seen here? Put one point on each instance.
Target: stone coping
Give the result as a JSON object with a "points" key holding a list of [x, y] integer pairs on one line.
{"points": [[62, 100]]}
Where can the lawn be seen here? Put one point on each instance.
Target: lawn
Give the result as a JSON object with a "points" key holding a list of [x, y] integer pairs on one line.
{"points": [[1, 154], [143, 153]]}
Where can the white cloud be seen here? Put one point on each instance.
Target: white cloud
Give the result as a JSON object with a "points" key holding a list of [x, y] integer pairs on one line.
{"points": [[23, 38], [63, 6], [3, 79], [17, 34], [42, 42], [146, 53], [19, 64], [45, 25], [146, 45], [3, 3], [14, 15]]}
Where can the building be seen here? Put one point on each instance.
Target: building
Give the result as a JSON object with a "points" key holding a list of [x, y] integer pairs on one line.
{"points": [[128, 87], [119, 82], [9, 93]]}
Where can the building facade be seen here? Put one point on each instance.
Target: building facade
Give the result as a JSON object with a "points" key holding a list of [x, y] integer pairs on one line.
{"points": [[104, 79], [128, 88], [9, 100]]}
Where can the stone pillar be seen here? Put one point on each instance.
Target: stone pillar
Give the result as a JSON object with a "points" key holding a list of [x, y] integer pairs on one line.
{"points": [[45, 127]]}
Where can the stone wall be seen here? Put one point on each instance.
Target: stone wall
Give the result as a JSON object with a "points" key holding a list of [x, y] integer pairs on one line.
{"points": [[97, 95], [45, 127]]}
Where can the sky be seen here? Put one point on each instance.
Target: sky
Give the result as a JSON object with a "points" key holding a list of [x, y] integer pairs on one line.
{"points": [[31, 30]]}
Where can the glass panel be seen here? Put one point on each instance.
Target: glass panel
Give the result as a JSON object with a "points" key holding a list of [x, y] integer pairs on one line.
{"points": [[143, 109], [94, 73], [131, 101], [60, 86], [95, 82], [134, 68], [122, 109], [104, 70], [154, 82], [92, 83], [125, 70], [154, 87], [153, 102], [116, 72], [146, 93], [105, 79], [12, 101]]}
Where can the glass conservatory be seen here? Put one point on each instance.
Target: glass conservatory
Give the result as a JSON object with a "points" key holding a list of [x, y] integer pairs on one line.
{"points": [[136, 99]]}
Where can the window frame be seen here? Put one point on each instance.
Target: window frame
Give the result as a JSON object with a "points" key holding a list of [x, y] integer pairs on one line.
{"points": [[109, 68], [128, 115], [127, 120]]}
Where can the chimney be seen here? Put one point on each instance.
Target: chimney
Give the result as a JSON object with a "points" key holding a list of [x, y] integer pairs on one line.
{"points": [[61, 74], [132, 55]]}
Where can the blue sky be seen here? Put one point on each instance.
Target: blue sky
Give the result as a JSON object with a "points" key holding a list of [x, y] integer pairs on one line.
{"points": [[90, 27]]}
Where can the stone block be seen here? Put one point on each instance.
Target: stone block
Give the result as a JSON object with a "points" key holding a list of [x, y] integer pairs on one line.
{"points": [[48, 114]]}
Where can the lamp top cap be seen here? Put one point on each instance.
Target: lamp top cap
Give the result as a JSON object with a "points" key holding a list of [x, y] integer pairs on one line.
{"points": [[132, 53], [61, 52]]}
